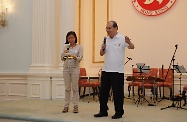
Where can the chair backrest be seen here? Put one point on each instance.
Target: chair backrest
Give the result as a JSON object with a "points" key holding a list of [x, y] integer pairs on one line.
{"points": [[137, 74], [164, 72], [134, 72], [153, 72], [82, 73]]}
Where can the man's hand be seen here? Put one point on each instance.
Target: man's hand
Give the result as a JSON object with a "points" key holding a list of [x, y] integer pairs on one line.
{"points": [[103, 47], [127, 40]]}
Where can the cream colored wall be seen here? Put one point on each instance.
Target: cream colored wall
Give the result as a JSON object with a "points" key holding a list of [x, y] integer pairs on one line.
{"points": [[154, 37], [86, 38]]}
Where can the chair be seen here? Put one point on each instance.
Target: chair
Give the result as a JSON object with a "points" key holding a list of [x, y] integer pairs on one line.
{"points": [[150, 82], [136, 83], [168, 80], [84, 83], [184, 94]]}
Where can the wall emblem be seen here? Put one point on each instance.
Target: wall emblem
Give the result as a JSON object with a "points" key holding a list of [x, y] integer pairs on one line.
{"points": [[152, 7]]}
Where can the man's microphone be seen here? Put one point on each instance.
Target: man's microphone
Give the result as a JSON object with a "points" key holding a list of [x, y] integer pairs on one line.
{"points": [[129, 58], [104, 42]]}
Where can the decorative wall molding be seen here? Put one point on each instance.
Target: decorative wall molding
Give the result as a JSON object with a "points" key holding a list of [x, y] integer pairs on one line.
{"points": [[58, 93], [49, 86], [35, 90], [3, 89], [13, 86], [99, 9], [31, 86], [17, 88]]}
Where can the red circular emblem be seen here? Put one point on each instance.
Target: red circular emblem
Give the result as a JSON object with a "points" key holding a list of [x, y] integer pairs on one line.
{"points": [[152, 7]]}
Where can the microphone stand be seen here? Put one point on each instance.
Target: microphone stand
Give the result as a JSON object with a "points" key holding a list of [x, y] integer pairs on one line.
{"points": [[163, 96], [180, 69], [171, 93], [127, 62]]}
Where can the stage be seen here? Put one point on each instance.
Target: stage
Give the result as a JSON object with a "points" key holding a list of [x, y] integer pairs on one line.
{"points": [[51, 111]]}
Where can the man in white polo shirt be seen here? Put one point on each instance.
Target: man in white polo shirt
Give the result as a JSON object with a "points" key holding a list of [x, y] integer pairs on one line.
{"points": [[113, 70]]}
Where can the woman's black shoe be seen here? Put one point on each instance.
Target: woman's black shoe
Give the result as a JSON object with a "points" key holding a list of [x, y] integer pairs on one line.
{"points": [[100, 115]]}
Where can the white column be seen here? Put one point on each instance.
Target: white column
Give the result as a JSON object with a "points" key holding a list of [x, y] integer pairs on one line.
{"points": [[46, 35], [52, 19], [67, 20]]}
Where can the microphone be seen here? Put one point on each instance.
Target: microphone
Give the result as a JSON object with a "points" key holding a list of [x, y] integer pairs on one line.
{"points": [[104, 42], [65, 57], [68, 47], [129, 58]]}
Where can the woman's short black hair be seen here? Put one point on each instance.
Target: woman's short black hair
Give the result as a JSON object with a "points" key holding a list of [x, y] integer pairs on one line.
{"points": [[71, 33]]}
